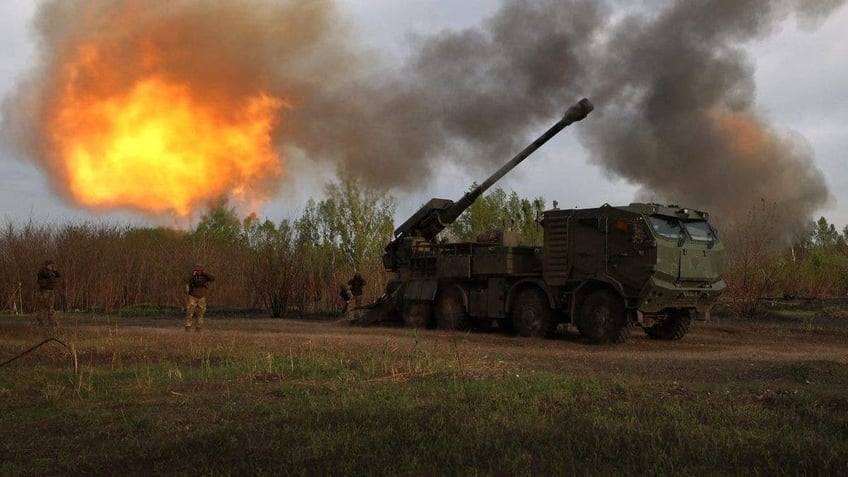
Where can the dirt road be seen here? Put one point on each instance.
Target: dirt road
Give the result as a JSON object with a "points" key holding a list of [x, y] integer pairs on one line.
{"points": [[713, 353]]}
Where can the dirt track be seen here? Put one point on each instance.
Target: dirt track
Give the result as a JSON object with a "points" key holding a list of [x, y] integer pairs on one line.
{"points": [[711, 352], [714, 353]]}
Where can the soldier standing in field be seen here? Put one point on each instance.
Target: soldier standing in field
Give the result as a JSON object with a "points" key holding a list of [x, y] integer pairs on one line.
{"points": [[356, 284], [48, 277], [195, 288], [346, 295]]}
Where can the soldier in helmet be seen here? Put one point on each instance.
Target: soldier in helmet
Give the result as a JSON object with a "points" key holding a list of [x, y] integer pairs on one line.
{"points": [[48, 277], [195, 288], [356, 285]]}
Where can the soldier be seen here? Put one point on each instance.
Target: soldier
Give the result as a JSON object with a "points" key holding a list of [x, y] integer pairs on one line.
{"points": [[195, 288], [346, 295], [356, 284], [48, 277]]}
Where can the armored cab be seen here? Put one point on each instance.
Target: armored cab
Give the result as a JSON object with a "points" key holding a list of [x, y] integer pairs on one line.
{"points": [[656, 266]]}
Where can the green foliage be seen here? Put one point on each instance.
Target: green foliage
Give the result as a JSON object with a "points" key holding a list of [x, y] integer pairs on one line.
{"points": [[342, 234], [220, 222], [356, 219], [321, 270], [822, 272], [815, 266], [824, 234], [499, 210], [309, 227]]}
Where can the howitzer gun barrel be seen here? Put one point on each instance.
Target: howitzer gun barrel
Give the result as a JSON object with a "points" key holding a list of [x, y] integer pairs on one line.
{"points": [[575, 113], [437, 214]]}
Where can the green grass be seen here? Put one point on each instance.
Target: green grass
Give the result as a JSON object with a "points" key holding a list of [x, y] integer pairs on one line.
{"points": [[225, 406], [208, 422]]}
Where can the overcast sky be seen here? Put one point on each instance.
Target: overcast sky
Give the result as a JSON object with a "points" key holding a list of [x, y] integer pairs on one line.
{"points": [[801, 80]]}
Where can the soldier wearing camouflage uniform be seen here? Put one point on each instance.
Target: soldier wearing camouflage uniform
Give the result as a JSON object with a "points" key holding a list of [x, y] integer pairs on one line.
{"points": [[48, 277], [356, 285], [195, 288], [346, 295]]}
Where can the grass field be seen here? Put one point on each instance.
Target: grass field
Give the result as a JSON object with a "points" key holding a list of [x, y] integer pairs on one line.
{"points": [[286, 397]]}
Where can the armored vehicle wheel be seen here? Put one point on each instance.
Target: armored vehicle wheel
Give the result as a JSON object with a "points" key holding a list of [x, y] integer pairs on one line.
{"points": [[603, 318], [416, 314], [532, 315], [674, 327], [450, 310]]}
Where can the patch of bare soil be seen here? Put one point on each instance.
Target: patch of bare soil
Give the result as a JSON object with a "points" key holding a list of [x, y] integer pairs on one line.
{"points": [[714, 353]]}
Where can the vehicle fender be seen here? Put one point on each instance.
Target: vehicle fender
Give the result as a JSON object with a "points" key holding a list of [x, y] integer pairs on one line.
{"points": [[420, 290], [512, 293], [463, 292], [589, 286]]}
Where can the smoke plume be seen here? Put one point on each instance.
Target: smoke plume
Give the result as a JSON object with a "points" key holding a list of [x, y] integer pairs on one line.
{"points": [[682, 122], [673, 88], [160, 106]]}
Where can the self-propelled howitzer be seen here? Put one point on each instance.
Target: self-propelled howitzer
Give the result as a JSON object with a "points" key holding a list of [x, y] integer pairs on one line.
{"points": [[602, 271], [436, 214]]}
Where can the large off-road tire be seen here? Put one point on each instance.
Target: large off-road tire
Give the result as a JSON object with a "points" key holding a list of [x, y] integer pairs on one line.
{"points": [[450, 309], [418, 314], [532, 315], [603, 318], [674, 327]]}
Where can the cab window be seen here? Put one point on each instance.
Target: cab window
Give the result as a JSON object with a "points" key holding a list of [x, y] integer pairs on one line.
{"points": [[667, 227], [700, 231]]}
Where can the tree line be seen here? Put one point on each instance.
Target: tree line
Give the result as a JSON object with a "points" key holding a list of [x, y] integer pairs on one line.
{"points": [[761, 263], [285, 267], [296, 266]]}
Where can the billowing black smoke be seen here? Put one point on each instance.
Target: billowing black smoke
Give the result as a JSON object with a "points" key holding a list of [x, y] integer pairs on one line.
{"points": [[673, 88], [674, 91]]}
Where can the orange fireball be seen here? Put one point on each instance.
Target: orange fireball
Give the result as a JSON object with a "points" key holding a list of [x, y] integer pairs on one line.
{"points": [[156, 145]]}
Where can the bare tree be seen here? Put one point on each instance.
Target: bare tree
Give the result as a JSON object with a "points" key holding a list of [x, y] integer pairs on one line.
{"points": [[753, 246], [270, 266]]}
